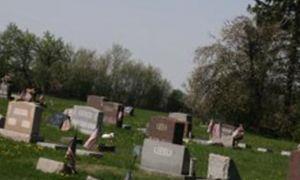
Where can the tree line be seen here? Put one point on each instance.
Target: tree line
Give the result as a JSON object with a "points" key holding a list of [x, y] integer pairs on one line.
{"points": [[55, 67], [251, 74]]}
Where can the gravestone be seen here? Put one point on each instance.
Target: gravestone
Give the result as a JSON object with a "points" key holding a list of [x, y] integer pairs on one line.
{"points": [[22, 121], [222, 134], [166, 129], [221, 167], [113, 112], [294, 169], [4, 90], [186, 119], [49, 166], [165, 158], [226, 135], [86, 119]]}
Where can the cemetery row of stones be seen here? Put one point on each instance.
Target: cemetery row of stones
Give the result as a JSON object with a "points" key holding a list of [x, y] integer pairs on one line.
{"points": [[163, 150]]}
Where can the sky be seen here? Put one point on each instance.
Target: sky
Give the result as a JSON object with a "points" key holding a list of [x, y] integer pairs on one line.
{"points": [[163, 33]]}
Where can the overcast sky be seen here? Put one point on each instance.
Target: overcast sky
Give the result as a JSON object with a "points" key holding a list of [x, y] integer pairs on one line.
{"points": [[164, 33]]}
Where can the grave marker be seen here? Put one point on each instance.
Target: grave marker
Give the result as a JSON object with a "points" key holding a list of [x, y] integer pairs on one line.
{"points": [[294, 170], [49, 166], [166, 129], [223, 134], [165, 157], [4, 90], [22, 121], [86, 119], [113, 112], [186, 119], [221, 167]]}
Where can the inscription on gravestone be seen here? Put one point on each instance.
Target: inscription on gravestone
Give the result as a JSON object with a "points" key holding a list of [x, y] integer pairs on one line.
{"points": [[86, 119], [166, 129], [165, 157], [24, 118]]}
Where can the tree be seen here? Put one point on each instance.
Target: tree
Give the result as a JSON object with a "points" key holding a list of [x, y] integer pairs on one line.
{"points": [[18, 50], [51, 57], [285, 14], [232, 74]]}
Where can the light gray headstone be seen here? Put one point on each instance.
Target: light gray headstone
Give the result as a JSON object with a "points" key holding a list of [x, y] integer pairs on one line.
{"points": [[3, 90], [221, 167], [49, 166], [86, 119], [165, 157]]}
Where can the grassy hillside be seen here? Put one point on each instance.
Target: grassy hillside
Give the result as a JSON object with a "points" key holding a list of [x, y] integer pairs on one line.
{"points": [[18, 160]]}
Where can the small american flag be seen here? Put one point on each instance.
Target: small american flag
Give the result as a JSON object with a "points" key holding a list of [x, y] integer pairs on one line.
{"points": [[92, 141]]}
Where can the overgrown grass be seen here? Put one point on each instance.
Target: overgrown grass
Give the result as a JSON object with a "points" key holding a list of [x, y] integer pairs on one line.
{"points": [[18, 160]]}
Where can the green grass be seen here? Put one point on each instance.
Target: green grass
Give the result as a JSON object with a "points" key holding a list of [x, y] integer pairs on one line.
{"points": [[18, 160]]}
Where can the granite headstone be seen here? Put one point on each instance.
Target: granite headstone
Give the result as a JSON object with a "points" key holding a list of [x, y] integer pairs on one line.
{"points": [[86, 119], [184, 118], [294, 169], [4, 90], [165, 157], [23, 121], [113, 112], [166, 129], [221, 167]]}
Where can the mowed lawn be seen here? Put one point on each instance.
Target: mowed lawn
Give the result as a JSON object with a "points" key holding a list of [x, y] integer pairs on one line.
{"points": [[18, 160]]}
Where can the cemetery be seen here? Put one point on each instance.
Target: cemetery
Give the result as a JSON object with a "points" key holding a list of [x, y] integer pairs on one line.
{"points": [[160, 158], [150, 90]]}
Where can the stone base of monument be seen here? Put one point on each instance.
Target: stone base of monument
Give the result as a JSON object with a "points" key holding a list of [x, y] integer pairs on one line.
{"points": [[52, 145], [19, 136], [126, 126], [264, 150], [202, 142], [285, 153], [79, 152], [67, 140], [106, 148], [91, 178], [49, 166], [82, 152], [243, 146]]}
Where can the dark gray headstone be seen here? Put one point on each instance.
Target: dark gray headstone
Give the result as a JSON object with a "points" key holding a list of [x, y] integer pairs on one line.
{"points": [[165, 157], [86, 119]]}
